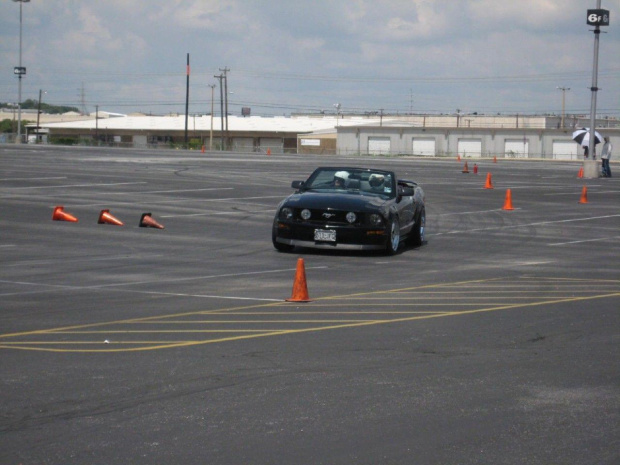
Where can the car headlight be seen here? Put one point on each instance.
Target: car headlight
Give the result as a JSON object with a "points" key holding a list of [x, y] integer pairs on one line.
{"points": [[351, 217], [286, 213], [375, 219], [305, 214]]}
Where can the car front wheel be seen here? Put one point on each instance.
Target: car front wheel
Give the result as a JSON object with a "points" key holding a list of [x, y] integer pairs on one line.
{"points": [[417, 235], [394, 236]]}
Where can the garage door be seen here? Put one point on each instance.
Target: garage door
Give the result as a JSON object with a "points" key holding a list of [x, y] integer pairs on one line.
{"points": [[276, 145], [516, 148], [564, 150], [379, 145], [471, 148], [243, 144], [424, 147]]}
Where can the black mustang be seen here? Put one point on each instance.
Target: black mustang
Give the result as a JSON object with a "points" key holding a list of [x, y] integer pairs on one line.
{"points": [[350, 208]]}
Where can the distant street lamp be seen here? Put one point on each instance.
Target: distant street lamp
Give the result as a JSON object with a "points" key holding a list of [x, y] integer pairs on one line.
{"points": [[563, 89], [20, 71]]}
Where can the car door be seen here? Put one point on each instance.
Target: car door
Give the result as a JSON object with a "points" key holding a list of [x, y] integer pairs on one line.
{"points": [[405, 208]]}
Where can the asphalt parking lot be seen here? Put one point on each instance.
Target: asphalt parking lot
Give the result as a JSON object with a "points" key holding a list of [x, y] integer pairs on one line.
{"points": [[496, 342]]}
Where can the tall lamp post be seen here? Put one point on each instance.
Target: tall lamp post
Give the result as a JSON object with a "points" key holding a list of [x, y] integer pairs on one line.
{"points": [[596, 18], [20, 71], [41, 92], [563, 89]]}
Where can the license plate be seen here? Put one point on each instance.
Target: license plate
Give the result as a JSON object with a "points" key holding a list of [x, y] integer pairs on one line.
{"points": [[325, 235]]}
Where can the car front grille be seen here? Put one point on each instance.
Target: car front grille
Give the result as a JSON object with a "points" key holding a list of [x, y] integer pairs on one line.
{"points": [[334, 217]]}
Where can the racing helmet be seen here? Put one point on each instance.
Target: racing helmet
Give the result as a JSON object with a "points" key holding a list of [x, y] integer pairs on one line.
{"points": [[341, 176], [375, 180]]}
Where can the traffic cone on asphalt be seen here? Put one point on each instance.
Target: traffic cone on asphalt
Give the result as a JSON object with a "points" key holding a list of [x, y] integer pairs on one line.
{"points": [[300, 288], [458, 157], [268, 151], [147, 221], [580, 174], [494, 158], [584, 195], [489, 184], [203, 149], [465, 168], [60, 215], [508, 201], [106, 218]]}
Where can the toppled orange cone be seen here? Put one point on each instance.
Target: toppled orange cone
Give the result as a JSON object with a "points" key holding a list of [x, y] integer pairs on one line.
{"points": [[300, 288], [60, 215], [489, 183], [508, 201], [147, 221], [584, 195], [106, 218]]}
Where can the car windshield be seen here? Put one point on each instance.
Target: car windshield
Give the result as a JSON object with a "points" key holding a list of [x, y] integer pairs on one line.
{"points": [[364, 181]]}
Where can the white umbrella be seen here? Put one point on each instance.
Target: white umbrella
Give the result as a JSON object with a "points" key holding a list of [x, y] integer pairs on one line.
{"points": [[582, 137]]}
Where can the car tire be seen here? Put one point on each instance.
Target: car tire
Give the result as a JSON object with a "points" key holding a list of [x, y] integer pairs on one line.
{"points": [[393, 242], [419, 229], [279, 246]]}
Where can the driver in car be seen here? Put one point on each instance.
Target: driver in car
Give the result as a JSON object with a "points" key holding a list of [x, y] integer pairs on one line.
{"points": [[340, 179]]}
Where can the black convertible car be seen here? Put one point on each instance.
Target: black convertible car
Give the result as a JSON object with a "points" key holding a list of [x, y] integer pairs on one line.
{"points": [[350, 208]]}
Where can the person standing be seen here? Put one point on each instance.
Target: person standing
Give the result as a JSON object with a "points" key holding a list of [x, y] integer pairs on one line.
{"points": [[605, 156]]}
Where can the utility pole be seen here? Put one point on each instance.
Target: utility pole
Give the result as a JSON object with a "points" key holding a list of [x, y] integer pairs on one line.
{"points": [[212, 86], [225, 70], [563, 89], [220, 77], [97, 124], [187, 102]]}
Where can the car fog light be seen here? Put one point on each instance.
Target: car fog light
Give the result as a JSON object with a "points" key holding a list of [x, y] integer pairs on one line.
{"points": [[305, 214], [375, 219], [351, 217], [286, 213]]}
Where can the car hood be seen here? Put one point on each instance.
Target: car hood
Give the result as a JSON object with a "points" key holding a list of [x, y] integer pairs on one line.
{"points": [[336, 201]]}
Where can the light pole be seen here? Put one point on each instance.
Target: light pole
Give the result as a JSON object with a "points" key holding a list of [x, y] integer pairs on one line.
{"points": [[41, 92], [563, 89], [20, 71]]}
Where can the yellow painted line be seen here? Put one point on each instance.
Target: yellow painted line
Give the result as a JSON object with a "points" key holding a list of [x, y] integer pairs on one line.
{"points": [[411, 316], [331, 327]]}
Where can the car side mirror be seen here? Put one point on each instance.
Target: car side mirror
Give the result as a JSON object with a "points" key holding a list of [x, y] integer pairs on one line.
{"points": [[297, 184], [405, 191]]}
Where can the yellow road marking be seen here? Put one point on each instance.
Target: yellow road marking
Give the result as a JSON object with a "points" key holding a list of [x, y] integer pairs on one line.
{"points": [[325, 324]]}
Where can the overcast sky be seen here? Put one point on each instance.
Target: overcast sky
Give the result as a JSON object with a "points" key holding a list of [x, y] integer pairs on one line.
{"points": [[285, 56]]}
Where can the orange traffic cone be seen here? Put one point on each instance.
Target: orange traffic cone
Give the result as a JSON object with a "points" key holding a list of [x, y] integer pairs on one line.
{"points": [[475, 169], [584, 195], [458, 157], [489, 184], [465, 168], [508, 201], [203, 149], [60, 215], [300, 288], [268, 151], [580, 174], [494, 159], [106, 218], [147, 221]]}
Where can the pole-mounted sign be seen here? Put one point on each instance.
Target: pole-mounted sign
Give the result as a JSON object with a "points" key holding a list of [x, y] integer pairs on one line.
{"points": [[19, 70], [598, 17]]}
